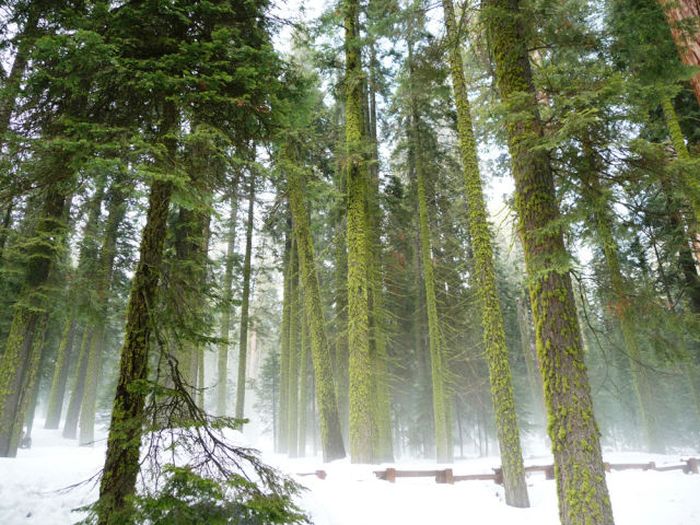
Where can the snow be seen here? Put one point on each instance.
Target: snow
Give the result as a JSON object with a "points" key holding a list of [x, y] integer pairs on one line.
{"points": [[30, 490]]}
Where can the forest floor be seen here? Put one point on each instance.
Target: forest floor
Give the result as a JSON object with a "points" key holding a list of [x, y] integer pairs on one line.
{"points": [[30, 491]]}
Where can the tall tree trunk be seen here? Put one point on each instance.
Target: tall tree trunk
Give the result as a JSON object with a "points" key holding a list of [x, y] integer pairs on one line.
{"points": [[303, 384], [227, 298], [383, 445], [126, 427], [443, 438], [581, 486], [103, 281], [362, 424], [491, 317], [245, 302], [283, 439], [331, 438], [293, 358]]}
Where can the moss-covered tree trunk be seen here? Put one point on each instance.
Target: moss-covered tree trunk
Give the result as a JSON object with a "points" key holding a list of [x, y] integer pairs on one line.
{"points": [[283, 437], [383, 443], [582, 490], [227, 298], [491, 317], [295, 309], [331, 438], [529, 351], [245, 302], [443, 438], [18, 364], [126, 427], [303, 383], [103, 281], [362, 425]]}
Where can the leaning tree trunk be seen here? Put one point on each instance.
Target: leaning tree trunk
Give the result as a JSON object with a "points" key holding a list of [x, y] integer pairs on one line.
{"points": [[245, 303], [331, 438], [126, 427], [227, 298], [491, 316], [582, 490]]}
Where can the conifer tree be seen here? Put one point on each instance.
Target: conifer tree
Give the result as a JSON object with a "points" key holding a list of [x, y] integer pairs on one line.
{"points": [[581, 486]]}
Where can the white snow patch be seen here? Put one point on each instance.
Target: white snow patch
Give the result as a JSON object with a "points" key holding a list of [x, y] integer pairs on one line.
{"points": [[351, 495]]}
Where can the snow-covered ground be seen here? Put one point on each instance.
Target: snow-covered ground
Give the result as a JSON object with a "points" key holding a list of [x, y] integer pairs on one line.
{"points": [[30, 491]]}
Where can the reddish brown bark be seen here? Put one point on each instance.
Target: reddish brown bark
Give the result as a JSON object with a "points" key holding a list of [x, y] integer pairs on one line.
{"points": [[683, 17]]}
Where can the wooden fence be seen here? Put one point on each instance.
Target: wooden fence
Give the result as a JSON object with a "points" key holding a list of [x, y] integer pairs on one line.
{"points": [[688, 466]]}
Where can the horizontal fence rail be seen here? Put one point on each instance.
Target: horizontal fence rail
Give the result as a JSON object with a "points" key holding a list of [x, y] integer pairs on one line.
{"points": [[447, 476]]}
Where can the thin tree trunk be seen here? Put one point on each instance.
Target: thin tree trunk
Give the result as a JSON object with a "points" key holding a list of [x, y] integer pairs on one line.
{"points": [[494, 335], [222, 371], [245, 303], [620, 302], [283, 440], [103, 281], [580, 474], [303, 384], [293, 358], [70, 425], [331, 438], [443, 439]]}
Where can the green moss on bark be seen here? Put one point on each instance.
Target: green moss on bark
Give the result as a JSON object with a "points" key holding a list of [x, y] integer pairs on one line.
{"points": [[582, 491]]}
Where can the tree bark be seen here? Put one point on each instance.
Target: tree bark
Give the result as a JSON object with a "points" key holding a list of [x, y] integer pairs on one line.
{"points": [[494, 335], [245, 303], [582, 490], [126, 427], [331, 438], [362, 424], [222, 370]]}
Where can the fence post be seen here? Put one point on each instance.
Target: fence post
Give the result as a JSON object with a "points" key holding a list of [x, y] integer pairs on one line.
{"points": [[498, 479], [444, 476], [549, 472], [692, 465], [390, 475]]}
